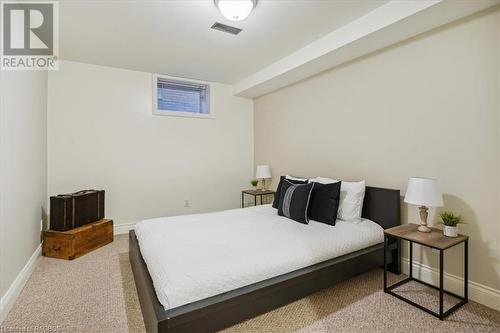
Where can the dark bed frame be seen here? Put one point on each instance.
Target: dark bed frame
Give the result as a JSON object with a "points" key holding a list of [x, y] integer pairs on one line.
{"points": [[223, 310]]}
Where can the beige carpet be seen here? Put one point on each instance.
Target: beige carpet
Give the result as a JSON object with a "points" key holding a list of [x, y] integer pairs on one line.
{"points": [[96, 293]]}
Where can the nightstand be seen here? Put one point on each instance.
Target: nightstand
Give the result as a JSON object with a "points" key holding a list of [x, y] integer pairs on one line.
{"points": [[437, 241], [255, 194]]}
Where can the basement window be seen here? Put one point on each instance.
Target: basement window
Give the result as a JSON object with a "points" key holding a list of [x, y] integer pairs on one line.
{"points": [[181, 97]]}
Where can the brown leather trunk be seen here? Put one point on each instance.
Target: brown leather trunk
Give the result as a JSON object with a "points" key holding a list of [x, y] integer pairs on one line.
{"points": [[77, 242], [68, 211]]}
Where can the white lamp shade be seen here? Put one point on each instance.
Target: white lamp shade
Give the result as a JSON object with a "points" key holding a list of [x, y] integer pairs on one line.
{"points": [[424, 192], [263, 171]]}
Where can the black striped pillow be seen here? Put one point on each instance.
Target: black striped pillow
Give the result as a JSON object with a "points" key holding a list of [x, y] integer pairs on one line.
{"points": [[277, 195], [294, 201]]}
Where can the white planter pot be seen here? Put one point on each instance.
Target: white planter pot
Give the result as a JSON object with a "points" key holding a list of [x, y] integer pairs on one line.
{"points": [[449, 231]]}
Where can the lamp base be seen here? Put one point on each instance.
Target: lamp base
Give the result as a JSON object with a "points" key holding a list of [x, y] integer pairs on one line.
{"points": [[423, 219], [424, 228], [263, 182]]}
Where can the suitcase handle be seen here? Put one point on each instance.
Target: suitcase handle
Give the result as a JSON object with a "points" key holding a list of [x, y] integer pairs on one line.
{"points": [[71, 194], [84, 191]]}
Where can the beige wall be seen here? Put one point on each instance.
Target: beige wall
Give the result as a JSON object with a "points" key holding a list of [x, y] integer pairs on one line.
{"points": [[102, 134], [426, 107], [23, 169]]}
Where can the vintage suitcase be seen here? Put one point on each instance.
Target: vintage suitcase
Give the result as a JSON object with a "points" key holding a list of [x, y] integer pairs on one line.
{"points": [[77, 242], [68, 211]]}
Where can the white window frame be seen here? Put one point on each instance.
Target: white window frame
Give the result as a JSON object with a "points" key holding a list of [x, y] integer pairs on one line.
{"points": [[211, 110]]}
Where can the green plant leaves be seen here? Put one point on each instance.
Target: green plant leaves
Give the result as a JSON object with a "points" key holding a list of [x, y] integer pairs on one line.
{"points": [[450, 219]]}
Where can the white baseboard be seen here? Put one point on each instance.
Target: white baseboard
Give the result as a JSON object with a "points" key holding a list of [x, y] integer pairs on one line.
{"points": [[120, 229], [10, 297], [477, 292]]}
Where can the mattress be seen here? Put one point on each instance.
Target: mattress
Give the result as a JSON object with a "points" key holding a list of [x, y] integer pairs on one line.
{"points": [[193, 257]]}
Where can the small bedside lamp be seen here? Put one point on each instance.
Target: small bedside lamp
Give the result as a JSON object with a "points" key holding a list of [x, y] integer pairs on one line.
{"points": [[263, 172], [423, 192]]}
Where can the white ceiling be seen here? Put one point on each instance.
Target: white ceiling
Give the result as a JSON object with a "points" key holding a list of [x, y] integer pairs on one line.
{"points": [[174, 37], [386, 25]]}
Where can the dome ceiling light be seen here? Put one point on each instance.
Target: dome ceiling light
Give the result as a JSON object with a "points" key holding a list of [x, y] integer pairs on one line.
{"points": [[235, 10]]}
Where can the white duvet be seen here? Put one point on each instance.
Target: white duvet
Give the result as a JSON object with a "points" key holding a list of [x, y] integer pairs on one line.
{"points": [[193, 257]]}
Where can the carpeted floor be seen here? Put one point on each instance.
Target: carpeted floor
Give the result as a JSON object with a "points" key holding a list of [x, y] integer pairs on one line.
{"points": [[96, 293]]}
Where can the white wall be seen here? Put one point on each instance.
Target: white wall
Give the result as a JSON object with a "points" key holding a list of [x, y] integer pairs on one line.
{"points": [[102, 134], [23, 169], [427, 107]]}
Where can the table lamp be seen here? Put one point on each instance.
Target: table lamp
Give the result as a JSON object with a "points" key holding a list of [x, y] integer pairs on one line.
{"points": [[263, 172], [423, 192]]}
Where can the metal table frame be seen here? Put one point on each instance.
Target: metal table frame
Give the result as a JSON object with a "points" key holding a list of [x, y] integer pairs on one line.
{"points": [[441, 314], [255, 195]]}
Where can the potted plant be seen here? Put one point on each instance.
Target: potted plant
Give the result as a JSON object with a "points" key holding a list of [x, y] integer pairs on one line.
{"points": [[450, 222], [254, 183]]}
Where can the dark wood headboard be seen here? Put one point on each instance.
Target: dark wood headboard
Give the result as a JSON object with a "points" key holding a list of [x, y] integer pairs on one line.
{"points": [[382, 205]]}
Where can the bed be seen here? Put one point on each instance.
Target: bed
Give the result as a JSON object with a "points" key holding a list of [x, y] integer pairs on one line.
{"points": [[239, 263]]}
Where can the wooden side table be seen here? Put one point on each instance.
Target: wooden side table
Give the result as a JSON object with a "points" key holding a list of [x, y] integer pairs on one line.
{"points": [[255, 194], [435, 240]]}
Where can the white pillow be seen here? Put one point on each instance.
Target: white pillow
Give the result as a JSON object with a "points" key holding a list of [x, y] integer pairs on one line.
{"points": [[352, 195]]}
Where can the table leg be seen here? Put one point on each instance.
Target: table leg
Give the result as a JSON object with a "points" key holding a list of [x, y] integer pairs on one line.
{"points": [[385, 263], [411, 259], [466, 270], [242, 200], [441, 283], [255, 200]]}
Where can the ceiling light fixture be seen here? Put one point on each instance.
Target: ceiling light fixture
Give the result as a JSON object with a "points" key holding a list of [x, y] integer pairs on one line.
{"points": [[235, 10]]}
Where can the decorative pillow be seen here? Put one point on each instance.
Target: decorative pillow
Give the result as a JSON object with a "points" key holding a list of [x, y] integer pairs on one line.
{"points": [[294, 201], [352, 195], [278, 189], [325, 202]]}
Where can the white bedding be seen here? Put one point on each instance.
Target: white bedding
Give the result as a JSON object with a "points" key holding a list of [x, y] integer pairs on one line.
{"points": [[193, 257]]}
